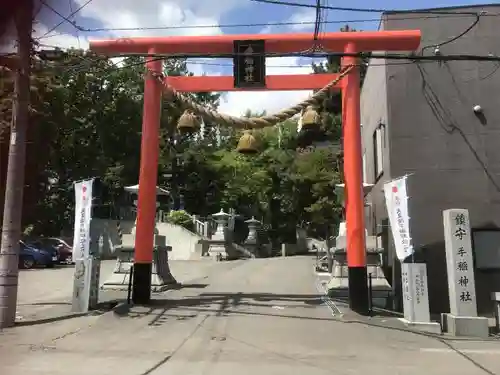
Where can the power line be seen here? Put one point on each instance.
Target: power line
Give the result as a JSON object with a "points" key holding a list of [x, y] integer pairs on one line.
{"points": [[429, 14], [77, 35], [366, 10], [65, 19], [314, 53], [362, 55], [451, 40], [239, 25], [447, 122], [293, 66], [317, 24], [115, 68]]}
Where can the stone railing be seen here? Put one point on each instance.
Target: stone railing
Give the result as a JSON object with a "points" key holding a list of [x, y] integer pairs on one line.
{"points": [[201, 228]]}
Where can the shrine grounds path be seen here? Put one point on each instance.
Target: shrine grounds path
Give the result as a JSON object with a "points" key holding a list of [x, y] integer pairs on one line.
{"points": [[259, 317]]}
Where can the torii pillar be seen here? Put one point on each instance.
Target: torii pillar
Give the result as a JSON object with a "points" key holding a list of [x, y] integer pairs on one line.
{"points": [[276, 44]]}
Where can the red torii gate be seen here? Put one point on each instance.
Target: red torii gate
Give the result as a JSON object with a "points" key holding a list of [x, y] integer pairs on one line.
{"points": [[277, 44]]}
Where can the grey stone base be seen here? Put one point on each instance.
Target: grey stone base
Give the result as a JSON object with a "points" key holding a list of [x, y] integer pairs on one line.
{"points": [[472, 326], [253, 248], [86, 285], [338, 287], [431, 327], [217, 249], [161, 277]]}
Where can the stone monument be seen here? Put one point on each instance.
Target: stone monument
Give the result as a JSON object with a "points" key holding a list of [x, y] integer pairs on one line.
{"points": [[462, 319], [416, 298], [161, 277]]}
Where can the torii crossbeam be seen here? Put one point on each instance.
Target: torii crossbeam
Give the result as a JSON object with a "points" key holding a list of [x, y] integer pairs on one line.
{"points": [[275, 45]]}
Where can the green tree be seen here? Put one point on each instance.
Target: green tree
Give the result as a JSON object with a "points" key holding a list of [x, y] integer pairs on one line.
{"points": [[87, 113]]}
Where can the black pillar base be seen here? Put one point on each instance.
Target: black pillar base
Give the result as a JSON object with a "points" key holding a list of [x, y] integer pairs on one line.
{"points": [[141, 286], [358, 290]]}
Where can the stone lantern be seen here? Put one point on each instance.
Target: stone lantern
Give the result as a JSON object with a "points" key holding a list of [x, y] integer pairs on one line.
{"points": [[160, 193], [217, 246], [252, 242], [161, 277], [253, 225], [221, 219]]}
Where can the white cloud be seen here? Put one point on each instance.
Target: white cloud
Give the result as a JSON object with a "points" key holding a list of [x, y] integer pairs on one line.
{"points": [[138, 16], [236, 103], [308, 15], [200, 66], [116, 14]]}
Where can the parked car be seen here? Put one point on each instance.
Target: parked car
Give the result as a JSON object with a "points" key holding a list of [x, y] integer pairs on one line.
{"points": [[64, 251], [31, 256]]}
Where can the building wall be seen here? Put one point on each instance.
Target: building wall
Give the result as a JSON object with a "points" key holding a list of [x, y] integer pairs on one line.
{"points": [[374, 114], [434, 135]]}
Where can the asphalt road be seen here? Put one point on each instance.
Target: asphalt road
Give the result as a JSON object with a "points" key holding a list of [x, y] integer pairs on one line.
{"points": [[42, 288], [261, 316]]}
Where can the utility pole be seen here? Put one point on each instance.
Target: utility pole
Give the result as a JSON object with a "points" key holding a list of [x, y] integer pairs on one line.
{"points": [[11, 229]]}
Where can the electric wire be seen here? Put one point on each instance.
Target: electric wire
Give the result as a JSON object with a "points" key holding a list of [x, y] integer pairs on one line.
{"points": [[455, 38], [391, 56], [360, 55], [316, 46], [77, 34], [399, 60], [241, 25], [361, 10], [318, 23], [64, 19], [446, 121]]}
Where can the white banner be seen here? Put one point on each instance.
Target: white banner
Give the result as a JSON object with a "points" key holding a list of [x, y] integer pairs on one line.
{"points": [[396, 200], [83, 215]]}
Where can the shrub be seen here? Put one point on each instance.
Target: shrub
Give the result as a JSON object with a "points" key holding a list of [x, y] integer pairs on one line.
{"points": [[180, 218]]}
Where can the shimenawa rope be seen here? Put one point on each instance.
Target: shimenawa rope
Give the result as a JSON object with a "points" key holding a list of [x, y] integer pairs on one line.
{"points": [[209, 115]]}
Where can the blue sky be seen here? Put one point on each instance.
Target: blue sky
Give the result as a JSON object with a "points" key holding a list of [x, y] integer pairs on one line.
{"points": [[112, 14]]}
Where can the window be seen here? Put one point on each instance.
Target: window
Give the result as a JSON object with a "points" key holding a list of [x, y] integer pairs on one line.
{"points": [[378, 155]]}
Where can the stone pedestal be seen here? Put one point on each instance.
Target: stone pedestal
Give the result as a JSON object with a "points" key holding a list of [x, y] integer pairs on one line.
{"points": [[161, 277], [86, 285], [495, 297], [338, 285], [430, 327], [218, 249], [472, 326]]}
